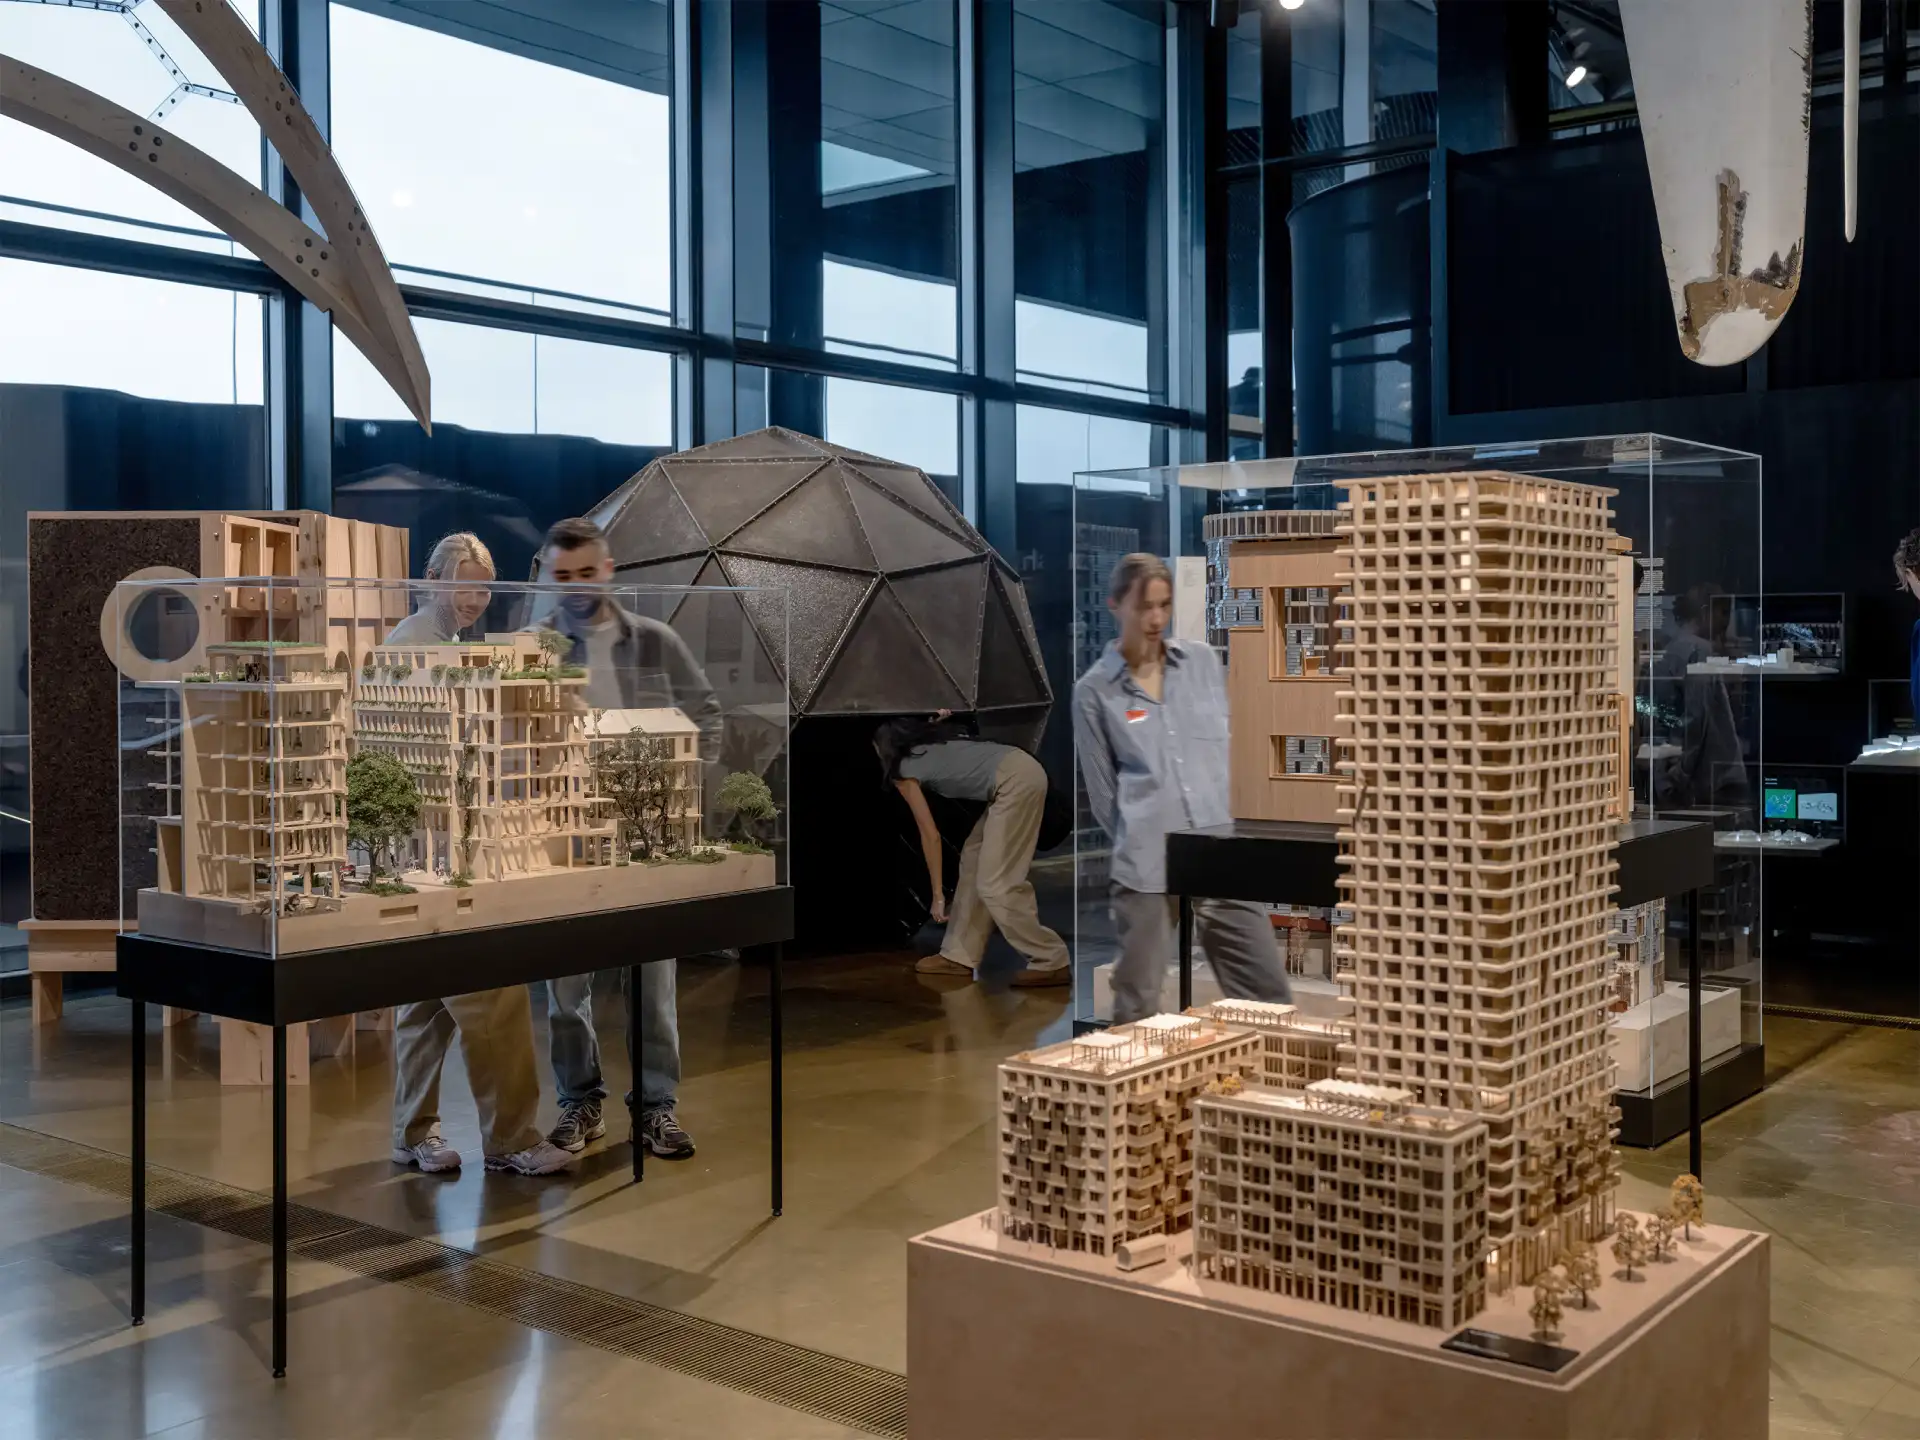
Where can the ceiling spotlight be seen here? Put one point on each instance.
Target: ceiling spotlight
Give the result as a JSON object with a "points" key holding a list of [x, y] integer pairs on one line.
{"points": [[1291, 4], [1575, 76]]}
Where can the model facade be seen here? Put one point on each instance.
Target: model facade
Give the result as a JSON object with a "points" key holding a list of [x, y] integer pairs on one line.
{"points": [[262, 780], [1637, 971], [1481, 776], [646, 766], [1295, 1049], [1096, 1133], [1283, 659], [495, 736], [1344, 1194]]}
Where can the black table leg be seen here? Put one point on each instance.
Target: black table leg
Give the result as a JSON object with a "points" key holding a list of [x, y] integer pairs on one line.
{"points": [[778, 1122], [1693, 1033], [279, 1201], [138, 1300], [637, 1110], [1186, 952]]}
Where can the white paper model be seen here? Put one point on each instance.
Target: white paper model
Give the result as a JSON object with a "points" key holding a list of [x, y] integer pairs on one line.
{"points": [[1295, 1049], [1096, 1132], [1638, 970]]}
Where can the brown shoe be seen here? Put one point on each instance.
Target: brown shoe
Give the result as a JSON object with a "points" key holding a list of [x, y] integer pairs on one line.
{"points": [[941, 965], [1051, 975]]}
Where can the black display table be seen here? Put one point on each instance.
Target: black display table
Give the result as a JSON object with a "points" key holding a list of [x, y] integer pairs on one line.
{"points": [[1274, 862], [318, 984]]}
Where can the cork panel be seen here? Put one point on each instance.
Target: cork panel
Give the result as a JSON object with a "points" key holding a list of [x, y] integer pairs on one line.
{"points": [[72, 567]]}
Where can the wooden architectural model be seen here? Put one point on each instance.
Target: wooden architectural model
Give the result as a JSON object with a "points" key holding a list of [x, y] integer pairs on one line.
{"points": [[1283, 660], [1096, 1132], [1295, 1049], [1346, 1194], [1637, 971], [1481, 772], [496, 738], [660, 746], [258, 820]]}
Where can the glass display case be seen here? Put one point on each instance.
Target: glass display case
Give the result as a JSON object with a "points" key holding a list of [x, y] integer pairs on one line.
{"points": [[1691, 516], [1893, 741], [309, 763]]}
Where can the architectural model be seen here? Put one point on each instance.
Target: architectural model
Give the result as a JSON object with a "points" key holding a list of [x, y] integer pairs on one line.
{"points": [[646, 766], [1295, 1049], [1637, 971], [263, 776], [1096, 1132], [1283, 660], [495, 736], [1346, 1194]]}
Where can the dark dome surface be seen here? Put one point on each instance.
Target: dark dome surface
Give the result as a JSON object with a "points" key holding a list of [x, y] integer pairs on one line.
{"points": [[897, 604]]}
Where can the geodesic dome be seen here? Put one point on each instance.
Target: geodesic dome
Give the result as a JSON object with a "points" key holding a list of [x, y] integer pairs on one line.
{"points": [[897, 605]]}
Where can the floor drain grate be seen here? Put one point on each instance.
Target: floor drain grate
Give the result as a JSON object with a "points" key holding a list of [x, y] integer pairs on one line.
{"points": [[861, 1397]]}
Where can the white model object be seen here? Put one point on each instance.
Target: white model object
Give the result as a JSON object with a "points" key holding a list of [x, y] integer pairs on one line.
{"points": [[498, 749], [1096, 1132], [1346, 1194], [1295, 1049], [1637, 973]]}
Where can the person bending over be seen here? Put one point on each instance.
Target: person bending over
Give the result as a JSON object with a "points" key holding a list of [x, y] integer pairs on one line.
{"points": [[633, 663], [993, 888], [1150, 726], [1906, 571], [495, 1026]]}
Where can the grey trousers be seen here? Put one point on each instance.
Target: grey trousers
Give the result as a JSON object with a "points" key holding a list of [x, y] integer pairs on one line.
{"points": [[1235, 936], [496, 1040]]}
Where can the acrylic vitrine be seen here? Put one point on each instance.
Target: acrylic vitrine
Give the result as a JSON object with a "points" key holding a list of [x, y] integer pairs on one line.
{"points": [[1253, 545], [315, 763]]}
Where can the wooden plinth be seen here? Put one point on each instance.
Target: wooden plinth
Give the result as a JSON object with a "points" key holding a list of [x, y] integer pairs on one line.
{"points": [[58, 948], [1005, 1339]]}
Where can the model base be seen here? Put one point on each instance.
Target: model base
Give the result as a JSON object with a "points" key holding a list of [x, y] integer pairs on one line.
{"points": [[1074, 1346], [435, 906], [1650, 1040]]}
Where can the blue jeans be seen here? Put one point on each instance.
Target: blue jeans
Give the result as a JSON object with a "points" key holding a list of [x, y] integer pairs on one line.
{"points": [[574, 1048]]}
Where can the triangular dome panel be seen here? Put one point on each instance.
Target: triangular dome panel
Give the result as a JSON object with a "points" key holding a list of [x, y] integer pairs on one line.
{"points": [[884, 668], [724, 497], [813, 524], [901, 537], [946, 606], [1015, 595], [1007, 676], [805, 624], [772, 443], [911, 486], [658, 604], [654, 525]]}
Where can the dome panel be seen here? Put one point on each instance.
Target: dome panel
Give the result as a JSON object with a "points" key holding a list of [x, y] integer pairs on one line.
{"points": [[946, 607], [654, 525], [724, 497], [804, 628], [901, 537], [884, 668], [814, 524]]}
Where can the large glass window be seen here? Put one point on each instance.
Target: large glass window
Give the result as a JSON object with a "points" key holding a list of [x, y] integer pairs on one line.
{"points": [[1088, 186], [139, 59], [1403, 51], [534, 172], [528, 429], [887, 166], [914, 427]]}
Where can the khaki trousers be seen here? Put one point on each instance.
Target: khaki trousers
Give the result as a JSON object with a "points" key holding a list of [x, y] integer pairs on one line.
{"points": [[496, 1041], [993, 888]]}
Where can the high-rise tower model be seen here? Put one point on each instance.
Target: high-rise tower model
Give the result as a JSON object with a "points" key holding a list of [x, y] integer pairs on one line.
{"points": [[1481, 772]]}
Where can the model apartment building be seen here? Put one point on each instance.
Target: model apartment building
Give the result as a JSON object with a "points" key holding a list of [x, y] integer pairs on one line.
{"points": [[1343, 1194], [1638, 969], [1478, 727], [666, 738], [496, 739], [1284, 658], [260, 819], [1295, 1049], [1096, 1133]]}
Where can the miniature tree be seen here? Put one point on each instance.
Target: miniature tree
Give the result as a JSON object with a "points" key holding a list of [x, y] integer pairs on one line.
{"points": [[466, 789], [1583, 1270], [1628, 1248], [1660, 1236], [746, 795], [1687, 1203], [383, 806], [554, 646], [1548, 1292], [635, 773]]}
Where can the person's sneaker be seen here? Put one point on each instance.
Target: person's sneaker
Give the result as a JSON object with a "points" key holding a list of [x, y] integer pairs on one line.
{"points": [[433, 1155], [1050, 975], [543, 1158], [941, 965], [580, 1125], [662, 1135]]}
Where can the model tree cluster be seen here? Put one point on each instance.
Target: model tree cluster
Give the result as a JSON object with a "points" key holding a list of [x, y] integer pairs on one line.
{"points": [[1687, 1203], [1629, 1244], [746, 797], [1549, 1291], [637, 775], [383, 807], [1583, 1270]]}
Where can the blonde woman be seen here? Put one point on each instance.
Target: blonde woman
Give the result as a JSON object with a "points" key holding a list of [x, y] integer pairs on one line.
{"points": [[495, 1026]]}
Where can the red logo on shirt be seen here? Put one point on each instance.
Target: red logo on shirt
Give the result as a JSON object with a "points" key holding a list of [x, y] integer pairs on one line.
{"points": [[1134, 717]]}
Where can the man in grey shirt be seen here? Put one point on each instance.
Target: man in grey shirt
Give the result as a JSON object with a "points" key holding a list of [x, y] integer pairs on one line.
{"points": [[632, 663], [1150, 726]]}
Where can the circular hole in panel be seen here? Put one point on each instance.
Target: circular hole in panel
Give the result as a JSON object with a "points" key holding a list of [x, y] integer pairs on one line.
{"points": [[151, 633], [162, 625]]}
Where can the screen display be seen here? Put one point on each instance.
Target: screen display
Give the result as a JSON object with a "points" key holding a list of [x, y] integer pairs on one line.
{"points": [[1780, 802], [1820, 807]]}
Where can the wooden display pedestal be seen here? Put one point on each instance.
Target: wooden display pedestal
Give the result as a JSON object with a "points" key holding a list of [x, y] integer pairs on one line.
{"points": [[1007, 1339], [59, 948]]}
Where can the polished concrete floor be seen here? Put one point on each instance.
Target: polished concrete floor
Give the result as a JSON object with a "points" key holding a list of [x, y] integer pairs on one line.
{"points": [[889, 1109]]}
